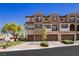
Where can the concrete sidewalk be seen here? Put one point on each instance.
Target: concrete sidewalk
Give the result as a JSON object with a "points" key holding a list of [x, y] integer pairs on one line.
{"points": [[36, 45]]}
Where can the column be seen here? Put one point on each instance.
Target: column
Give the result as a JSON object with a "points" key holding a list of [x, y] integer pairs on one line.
{"points": [[59, 37], [75, 37], [34, 37]]}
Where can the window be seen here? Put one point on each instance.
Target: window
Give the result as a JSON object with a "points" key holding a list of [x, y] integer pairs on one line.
{"points": [[38, 25], [72, 19], [30, 27], [54, 27], [47, 26], [77, 19], [38, 19], [62, 18], [64, 26], [46, 19], [54, 17], [28, 19]]}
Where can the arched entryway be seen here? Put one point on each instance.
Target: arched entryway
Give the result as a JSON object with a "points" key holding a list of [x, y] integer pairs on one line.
{"points": [[72, 27], [77, 27]]}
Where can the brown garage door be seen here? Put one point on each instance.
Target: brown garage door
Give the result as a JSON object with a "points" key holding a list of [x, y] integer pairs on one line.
{"points": [[70, 37], [77, 36], [30, 37], [52, 37], [38, 37]]}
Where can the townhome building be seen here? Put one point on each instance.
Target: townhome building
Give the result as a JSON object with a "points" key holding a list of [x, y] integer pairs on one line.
{"points": [[58, 27]]}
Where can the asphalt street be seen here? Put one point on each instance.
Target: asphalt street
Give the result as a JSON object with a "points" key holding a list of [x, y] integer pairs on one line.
{"points": [[59, 51]]}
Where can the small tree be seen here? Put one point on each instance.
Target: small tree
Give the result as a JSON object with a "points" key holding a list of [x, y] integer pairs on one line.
{"points": [[44, 33], [44, 43], [13, 29], [26, 27]]}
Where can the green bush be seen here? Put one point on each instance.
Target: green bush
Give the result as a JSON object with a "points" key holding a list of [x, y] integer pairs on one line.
{"points": [[2, 45], [66, 41], [46, 39], [44, 43]]}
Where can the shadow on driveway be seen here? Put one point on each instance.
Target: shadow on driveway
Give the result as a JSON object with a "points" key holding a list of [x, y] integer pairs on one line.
{"points": [[59, 51]]}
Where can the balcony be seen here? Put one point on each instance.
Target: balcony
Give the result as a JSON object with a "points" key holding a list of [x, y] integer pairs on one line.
{"points": [[71, 19]]}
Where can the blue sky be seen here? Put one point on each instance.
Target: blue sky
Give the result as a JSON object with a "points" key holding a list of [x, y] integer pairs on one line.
{"points": [[15, 13]]}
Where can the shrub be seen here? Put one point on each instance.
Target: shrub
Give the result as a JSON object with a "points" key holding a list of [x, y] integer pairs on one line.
{"points": [[4, 46], [66, 41], [46, 39], [44, 43]]}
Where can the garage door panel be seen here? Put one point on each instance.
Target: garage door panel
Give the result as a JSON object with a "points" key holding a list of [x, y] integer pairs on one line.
{"points": [[30, 37], [70, 37], [52, 37], [38, 37]]}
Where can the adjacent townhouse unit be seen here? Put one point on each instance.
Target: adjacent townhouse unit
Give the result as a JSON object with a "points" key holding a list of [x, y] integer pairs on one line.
{"points": [[57, 27]]}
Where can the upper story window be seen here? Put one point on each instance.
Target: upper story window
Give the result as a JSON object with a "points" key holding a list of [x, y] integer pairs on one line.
{"points": [[30, 27], [38, 18], [72, 19], [77, 19], [62, 18], [47, 26], [54, 18], [64, 25], [38, 25], [29, 19], [54, 27], [46, 18]]}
